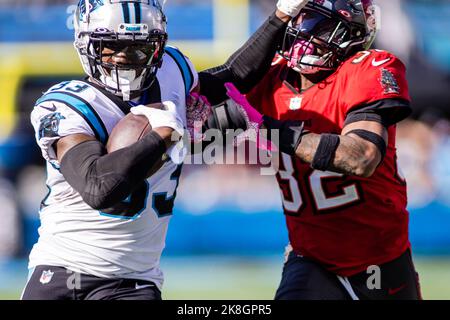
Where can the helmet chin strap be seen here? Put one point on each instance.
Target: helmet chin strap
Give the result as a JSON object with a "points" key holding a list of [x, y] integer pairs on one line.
{"points": [[311, 64], [124, 81]]}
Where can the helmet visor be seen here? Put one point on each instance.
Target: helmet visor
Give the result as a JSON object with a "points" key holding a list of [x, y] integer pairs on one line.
{"points": [[323, 28], [126, 51], [129, 54]]}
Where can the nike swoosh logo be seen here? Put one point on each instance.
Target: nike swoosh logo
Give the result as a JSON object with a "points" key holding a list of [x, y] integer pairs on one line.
{"points": [[376, 63], [392, 292], [138, 287], [52, 109]]}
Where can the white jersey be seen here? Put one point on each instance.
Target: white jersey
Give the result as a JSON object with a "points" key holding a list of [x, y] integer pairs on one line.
{"points": [[106, 244]]}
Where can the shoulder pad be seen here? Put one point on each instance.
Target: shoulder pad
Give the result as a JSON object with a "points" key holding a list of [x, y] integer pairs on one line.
{"points": [[185, 68], [371, 59], [79, 97]]}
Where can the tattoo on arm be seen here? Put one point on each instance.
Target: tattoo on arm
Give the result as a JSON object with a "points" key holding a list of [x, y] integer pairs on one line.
{"points": [[350, 157]]}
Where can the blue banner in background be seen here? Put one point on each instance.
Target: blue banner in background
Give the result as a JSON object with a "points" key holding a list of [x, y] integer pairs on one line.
{"points": [[226, 230], [41, 24]]}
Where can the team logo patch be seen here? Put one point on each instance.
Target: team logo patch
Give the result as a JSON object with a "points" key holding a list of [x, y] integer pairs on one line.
{"points": [[389, 82], [49, 126], [93, 5], [46, 277]]}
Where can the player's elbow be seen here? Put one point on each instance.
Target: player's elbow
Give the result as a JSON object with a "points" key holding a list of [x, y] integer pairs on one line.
{"points": [[104, 195], [97, 203], [368, 163]]}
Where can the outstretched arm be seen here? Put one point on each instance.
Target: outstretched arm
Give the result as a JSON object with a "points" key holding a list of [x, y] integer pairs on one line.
{"points": [[358, 150], [354, 155], [248, 65]]}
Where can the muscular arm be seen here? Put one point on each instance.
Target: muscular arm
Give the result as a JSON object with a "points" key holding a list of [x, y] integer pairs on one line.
{"points": [[63, 145], [354, 156], [103, 179], [247, 66]]}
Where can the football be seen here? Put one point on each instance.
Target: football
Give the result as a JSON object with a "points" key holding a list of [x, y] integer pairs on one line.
{"points": [[130, 130]]}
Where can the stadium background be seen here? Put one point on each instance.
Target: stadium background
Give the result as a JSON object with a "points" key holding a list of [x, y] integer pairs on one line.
{"points": [[227, 236]]}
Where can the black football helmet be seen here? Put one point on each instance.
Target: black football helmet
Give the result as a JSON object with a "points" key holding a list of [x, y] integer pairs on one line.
{"points": [[327, 32]]}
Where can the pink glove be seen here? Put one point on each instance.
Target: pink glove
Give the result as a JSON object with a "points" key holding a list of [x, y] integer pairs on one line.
{"points": [[198, 110], [254, 120], [252, 114]]}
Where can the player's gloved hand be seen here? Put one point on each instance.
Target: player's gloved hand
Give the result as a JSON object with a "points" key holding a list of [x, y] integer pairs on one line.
{"points": [[198, 110], [253, 119], [291, 7], [167, 117], [289, 132]]}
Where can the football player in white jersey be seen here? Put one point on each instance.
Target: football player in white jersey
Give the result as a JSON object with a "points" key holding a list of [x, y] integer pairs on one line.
{"points": [[103, 222]]}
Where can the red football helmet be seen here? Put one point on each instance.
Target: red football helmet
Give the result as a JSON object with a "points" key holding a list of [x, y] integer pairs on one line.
{"points": [[326, 32]]}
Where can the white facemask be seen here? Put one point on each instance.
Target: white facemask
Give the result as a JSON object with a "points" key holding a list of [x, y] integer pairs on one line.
{"points": [[126, 80]]}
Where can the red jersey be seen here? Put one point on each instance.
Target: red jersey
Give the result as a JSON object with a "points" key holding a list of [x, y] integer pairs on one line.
{"points": [[346, 223]]}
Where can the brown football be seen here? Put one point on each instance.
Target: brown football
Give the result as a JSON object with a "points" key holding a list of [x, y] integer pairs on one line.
{"points": [[130, 130]]}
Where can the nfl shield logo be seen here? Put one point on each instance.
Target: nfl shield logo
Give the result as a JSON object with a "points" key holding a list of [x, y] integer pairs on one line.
{"points": [[46, 276], [296, 103]]}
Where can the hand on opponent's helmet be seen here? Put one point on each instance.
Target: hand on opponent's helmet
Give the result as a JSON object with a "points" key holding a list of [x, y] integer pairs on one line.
{"points": [[291, 7]]}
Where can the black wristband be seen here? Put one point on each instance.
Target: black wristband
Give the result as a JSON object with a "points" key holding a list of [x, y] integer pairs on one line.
{"points": [[372, 137], [325, 152]]}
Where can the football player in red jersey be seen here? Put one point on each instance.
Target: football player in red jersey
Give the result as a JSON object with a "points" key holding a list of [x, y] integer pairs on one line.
{"points": [[336, 104]]}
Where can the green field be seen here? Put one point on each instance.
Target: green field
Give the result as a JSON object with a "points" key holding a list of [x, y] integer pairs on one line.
{"points": [[211, 278]]}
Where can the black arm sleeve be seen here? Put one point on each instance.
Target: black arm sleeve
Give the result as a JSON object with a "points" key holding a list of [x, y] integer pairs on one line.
{"points": [[103, 179], [247, 66]]}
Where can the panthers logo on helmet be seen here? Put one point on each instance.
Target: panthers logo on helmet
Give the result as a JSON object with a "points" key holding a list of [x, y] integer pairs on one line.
{"points": [[93, 5]]}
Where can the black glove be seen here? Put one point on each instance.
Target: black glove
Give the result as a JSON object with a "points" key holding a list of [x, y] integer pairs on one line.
{"points": [[227, 115], [290, 133]]}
